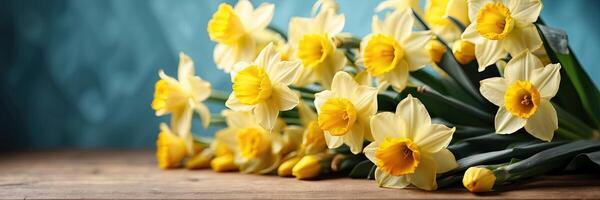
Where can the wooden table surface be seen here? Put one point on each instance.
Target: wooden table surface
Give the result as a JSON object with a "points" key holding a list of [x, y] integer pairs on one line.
{"points": [[128, 174]]}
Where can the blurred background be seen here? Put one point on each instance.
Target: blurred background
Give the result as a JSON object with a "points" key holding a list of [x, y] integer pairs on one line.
{"points": [[81, 73]]}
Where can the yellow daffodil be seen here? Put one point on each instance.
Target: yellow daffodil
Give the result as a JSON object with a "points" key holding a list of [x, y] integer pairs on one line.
{"points": [[255, 149], [344, 112], [479, 179], [285, 169], [463, 51], [437, 13], [223, 163], [262, 86], [399, 5], [523, 95], [310, 166], [408, 148], [501, 27], [170, 149], [311, 40], [181, 97], [393, 49], [236, 29]]}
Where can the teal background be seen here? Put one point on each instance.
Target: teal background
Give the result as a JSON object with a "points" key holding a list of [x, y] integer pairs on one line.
{"points": [[81, 73]]}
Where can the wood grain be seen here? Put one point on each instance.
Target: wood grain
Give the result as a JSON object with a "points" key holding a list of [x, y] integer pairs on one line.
{"points": [[127, 174]]}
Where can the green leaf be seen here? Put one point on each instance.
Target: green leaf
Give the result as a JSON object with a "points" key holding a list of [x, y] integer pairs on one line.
{"points": [[585, 161], [487, 143], [361, 170]]}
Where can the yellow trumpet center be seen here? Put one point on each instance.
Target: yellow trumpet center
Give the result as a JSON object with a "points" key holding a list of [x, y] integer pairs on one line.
{"points": [[382, 54], [435, 12], [397, 156], [170, 150], [337, 116], [494, 21], [252, 85], [168, 96], [522, 99], [314, 49], [253, 142], [225, 25]]}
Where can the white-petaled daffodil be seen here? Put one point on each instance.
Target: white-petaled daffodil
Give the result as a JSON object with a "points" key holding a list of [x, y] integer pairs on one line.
{"points": [[438, 13], [238, 32], [255, 149], [262, 86], [408, 148], [393, 49], [181, 97], [311, 40], [499, 27], [523, 95], [344, 112]]}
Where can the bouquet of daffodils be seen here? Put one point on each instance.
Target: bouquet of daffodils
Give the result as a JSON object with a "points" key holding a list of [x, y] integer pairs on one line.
{"points": [[478, 91]]}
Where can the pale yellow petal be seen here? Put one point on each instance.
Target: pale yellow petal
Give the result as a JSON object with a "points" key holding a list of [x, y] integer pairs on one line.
{"points": [[471, 35], [307, 115], [370, 151], [321, 97], [414, 48], [488, 52], [522, 38], [388, 181], [415, 114], [376, 25], [424, 176], [237, 119], [547, 80], [200, 89], [284, 97], [297, 27], [474, 6], [204, 113], [433, 138], [235, 104], [327, 70], [399, 24], [383, 125], [521, 67], [181, 122], [397, 78], [445, 161], [221, 56], [261, 17], [185, 68], [344, 85], [458, 9], [266, 115], [267, 58], [525, 10], [493, 90], [329, 22], [333, 141], [285, 72], [355, 137], [506, 123], [365, 100], [544, 122]]}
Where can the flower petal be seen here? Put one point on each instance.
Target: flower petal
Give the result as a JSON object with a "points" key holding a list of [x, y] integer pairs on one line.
{"points": [[284, 97], [329, 22], [521, 38], [355, 138], [235, 104], [506, 123], [204, 113], [181, 123], [424, 176], [266, 115], [285, 72], [320, 99], [414, 47], [488, 52], [333, 141], [185, 68], [370, 151], [525, 10], [415, 114], [365, 100], [445, 161], [433, 138], [544, 122], [237, 119], [388, 181], [521, 67], [493, 89], [327, 70], [547, 80], [344, 85], [200, 89], [261, 17], [268, 58], [298, 27], [474, 6], [399, 24], [383, 125], [471, 35], [397, 78]]}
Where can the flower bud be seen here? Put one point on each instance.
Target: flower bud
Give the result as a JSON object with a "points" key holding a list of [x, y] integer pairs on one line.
{"points": [[479, 179], [308, 167], [201, 160], [436, 50], [463, 51], [285, 169], [170, 149], [223, 163]]}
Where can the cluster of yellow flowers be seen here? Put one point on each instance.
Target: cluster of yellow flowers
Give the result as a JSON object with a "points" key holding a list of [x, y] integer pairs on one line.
{"points": [[295, 102]]}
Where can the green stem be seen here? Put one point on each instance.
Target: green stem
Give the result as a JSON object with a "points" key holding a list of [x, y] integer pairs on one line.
{"points": [[456, 104], [573, 123], [567, 134], [219, 95], [217, 119], [346, 42]]}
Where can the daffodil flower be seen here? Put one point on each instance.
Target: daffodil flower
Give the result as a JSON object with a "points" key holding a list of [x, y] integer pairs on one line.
{"points": [[256, 150], [262, 86], [501, 27], [312, 42], [479, 179], [393, 49], [170, 149], [437, 13], [344, 112], [236, 30], [523, 95], [408, 148], [181, 97]]}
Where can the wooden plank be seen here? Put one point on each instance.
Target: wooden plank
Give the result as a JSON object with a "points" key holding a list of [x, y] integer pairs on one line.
{"points": [[129, 174]]}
